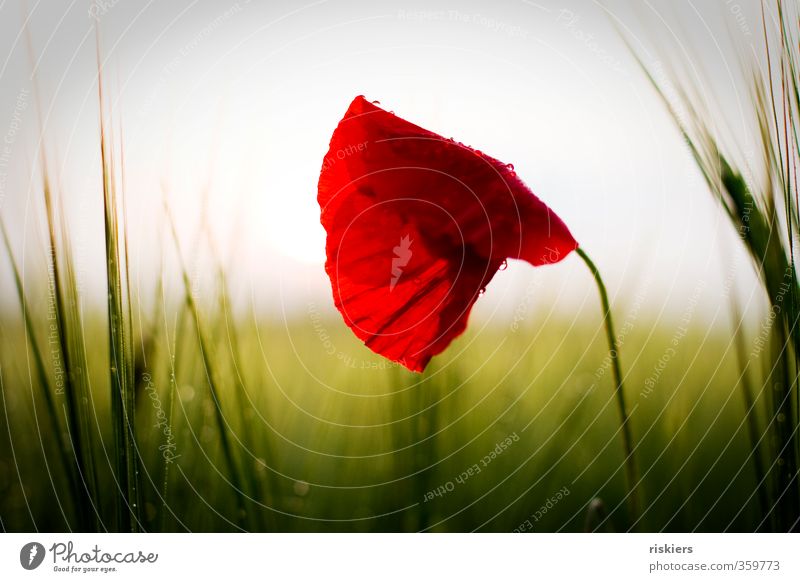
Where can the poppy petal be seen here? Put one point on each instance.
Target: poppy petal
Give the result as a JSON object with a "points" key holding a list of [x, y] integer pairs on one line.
{"points": [[417, 226], [404, 302], [389, 158]]}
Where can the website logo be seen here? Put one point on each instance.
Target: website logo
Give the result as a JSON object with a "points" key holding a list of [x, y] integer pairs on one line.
{"points": [[31, 555], [402, 255]]}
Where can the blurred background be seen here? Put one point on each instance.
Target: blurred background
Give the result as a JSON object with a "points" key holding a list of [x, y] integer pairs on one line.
{"points": [[236, 103], [217, 116]]}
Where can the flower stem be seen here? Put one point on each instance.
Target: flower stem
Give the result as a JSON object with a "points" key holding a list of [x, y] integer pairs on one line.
{"points": [[627, 437]]}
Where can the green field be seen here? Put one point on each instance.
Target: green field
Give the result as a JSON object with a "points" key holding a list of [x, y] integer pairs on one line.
{"points": [[327, 436], [163, 404]]}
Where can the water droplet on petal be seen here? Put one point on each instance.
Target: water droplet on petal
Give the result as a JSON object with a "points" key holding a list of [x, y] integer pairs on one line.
{"points": [[503, 265]]}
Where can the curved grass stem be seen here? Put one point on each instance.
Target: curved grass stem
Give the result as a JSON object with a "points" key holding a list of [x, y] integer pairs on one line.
{"points": [[631, 471]]}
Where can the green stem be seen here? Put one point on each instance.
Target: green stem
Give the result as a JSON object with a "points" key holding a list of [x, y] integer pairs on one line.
{"points": [[627, 437]]}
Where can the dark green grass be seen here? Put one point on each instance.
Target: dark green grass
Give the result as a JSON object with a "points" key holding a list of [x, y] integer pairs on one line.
{"points": [[341, 446], [763, 210], [190, 417]]}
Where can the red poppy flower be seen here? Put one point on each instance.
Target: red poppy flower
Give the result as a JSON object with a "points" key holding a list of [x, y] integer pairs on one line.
{"points": [[417, 226]]}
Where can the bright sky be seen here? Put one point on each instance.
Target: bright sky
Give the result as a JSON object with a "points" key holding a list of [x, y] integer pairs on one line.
{"points": [[242, 97]]}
